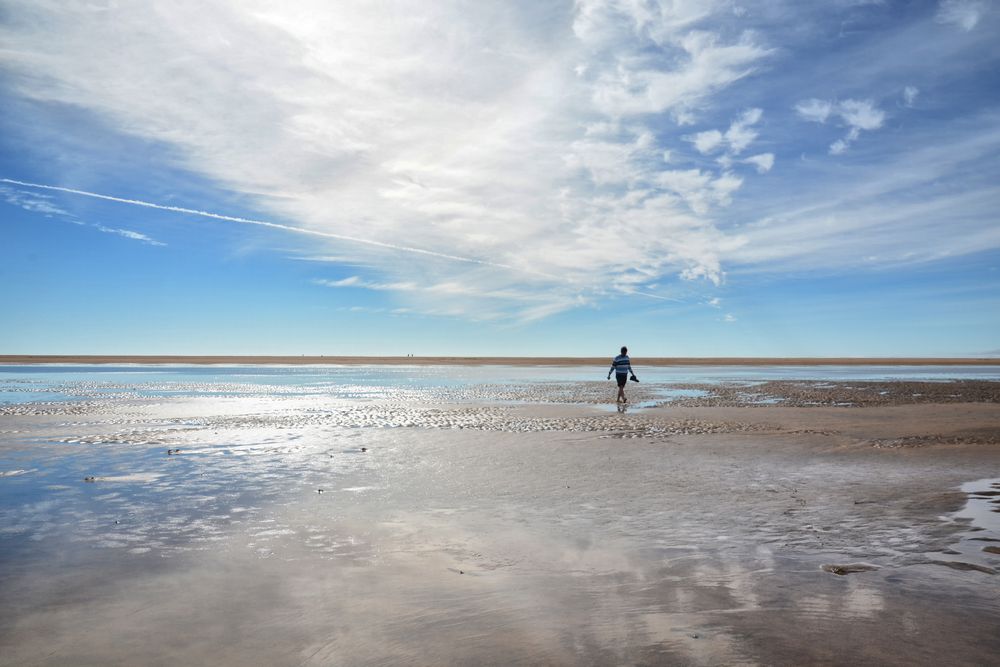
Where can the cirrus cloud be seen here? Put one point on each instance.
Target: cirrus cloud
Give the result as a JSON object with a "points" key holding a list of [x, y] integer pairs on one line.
{"points": [[517, 136], [857, 115], [519, 159]]}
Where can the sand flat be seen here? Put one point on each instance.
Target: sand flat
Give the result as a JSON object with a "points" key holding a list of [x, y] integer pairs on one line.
{"points": [[309, 530]]}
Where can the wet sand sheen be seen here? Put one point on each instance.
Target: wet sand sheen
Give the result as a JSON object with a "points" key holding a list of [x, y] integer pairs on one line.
{"points": [[456, 533]]}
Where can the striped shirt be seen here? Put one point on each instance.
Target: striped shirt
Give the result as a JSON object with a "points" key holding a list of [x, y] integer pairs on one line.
{"points": [[621, 365]]}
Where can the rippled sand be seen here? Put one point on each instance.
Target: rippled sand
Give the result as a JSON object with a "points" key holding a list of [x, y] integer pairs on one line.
{"points": [[774, 523]]}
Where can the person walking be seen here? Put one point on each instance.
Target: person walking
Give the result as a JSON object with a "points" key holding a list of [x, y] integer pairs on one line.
{"points": [[622, 368]]}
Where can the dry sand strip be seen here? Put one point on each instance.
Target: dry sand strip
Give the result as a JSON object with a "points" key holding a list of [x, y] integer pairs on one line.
{"points": [[260, 360]]}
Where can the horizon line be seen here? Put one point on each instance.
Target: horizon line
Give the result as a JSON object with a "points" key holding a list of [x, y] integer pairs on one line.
{"points": [[465, 360]]}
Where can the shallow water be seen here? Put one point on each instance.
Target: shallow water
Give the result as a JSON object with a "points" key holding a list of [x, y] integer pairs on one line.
{"points": [[28, 383], [983, 506]]}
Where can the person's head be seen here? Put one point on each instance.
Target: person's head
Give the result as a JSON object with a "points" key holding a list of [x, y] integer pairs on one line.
{"points": [[624, 350]]}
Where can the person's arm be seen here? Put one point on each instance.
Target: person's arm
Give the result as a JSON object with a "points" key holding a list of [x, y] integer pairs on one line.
{"points": [[612, 369]]}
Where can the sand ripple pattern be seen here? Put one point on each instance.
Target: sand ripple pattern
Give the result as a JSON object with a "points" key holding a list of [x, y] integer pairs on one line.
{"points": [[841, 394], [497, 419]]}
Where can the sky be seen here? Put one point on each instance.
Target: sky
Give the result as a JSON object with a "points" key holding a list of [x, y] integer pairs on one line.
{"points": [[688, 178]]}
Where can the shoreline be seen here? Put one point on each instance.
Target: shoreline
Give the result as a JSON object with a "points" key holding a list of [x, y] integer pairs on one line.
{"points": [[311, 360]]}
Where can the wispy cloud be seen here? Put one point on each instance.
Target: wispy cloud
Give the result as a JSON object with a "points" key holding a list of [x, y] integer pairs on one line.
{"points": [[878, 211], [520, 146], [857, 115], [763, 162], [962, 13], [32, 202], [260, 223], [460, 295], [129, 234], [734, 140], [514, 160], [45, 205]]}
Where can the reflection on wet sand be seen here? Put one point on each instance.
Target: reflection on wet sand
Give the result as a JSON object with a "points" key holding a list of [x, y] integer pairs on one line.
{"points": [[463, 533]]}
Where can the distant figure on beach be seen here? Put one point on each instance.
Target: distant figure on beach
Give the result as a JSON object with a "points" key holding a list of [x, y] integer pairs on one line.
{"points": [[622, 367]]}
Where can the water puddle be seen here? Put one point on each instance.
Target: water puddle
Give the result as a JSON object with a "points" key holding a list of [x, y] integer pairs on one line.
{"points": [[663, 396], [625, 408], [983, 505], [979, 548]]}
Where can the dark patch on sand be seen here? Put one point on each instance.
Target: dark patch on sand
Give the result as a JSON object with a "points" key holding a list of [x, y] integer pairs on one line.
{"points": [[840, 394], [849, 568]]}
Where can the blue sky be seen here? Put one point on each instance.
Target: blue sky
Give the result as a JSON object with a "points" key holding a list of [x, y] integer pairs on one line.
{"points": [[558, 178]]}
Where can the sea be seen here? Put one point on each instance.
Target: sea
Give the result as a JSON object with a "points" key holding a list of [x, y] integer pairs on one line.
{"points": [[34, 383]]}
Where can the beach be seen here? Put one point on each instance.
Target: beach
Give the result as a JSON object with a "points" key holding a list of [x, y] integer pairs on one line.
{"points": [[231, 518]]}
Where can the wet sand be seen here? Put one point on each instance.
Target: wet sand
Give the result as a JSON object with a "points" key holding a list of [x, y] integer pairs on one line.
{"points": [[783, 523]]}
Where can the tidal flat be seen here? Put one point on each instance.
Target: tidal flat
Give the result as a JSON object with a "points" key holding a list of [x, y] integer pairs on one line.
{"points": [[292, 517]]}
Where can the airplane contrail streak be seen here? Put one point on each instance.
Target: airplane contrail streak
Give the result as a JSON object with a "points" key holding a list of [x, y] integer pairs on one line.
{"points": [[272, 225]]}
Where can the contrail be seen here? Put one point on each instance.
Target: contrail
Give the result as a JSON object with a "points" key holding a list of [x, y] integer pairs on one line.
{"points": [[656, 296], [273, 225]]}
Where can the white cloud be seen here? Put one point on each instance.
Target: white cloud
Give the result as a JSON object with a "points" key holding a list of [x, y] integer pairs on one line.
{"points": [[763, 162], [725, 186], [708, 141], [728, 317], [431, 296], [893, 209], [740, 135], [838, 147], [356, 281], [631, 83], [45, 204], [861, 114], [737, 138], [910, 94], [613, 160], [857, 115], [351, 281], [814, 110], [489, 158], [32, 202], [516, 136], [962, 13], [129, 234], [699, 189]]}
